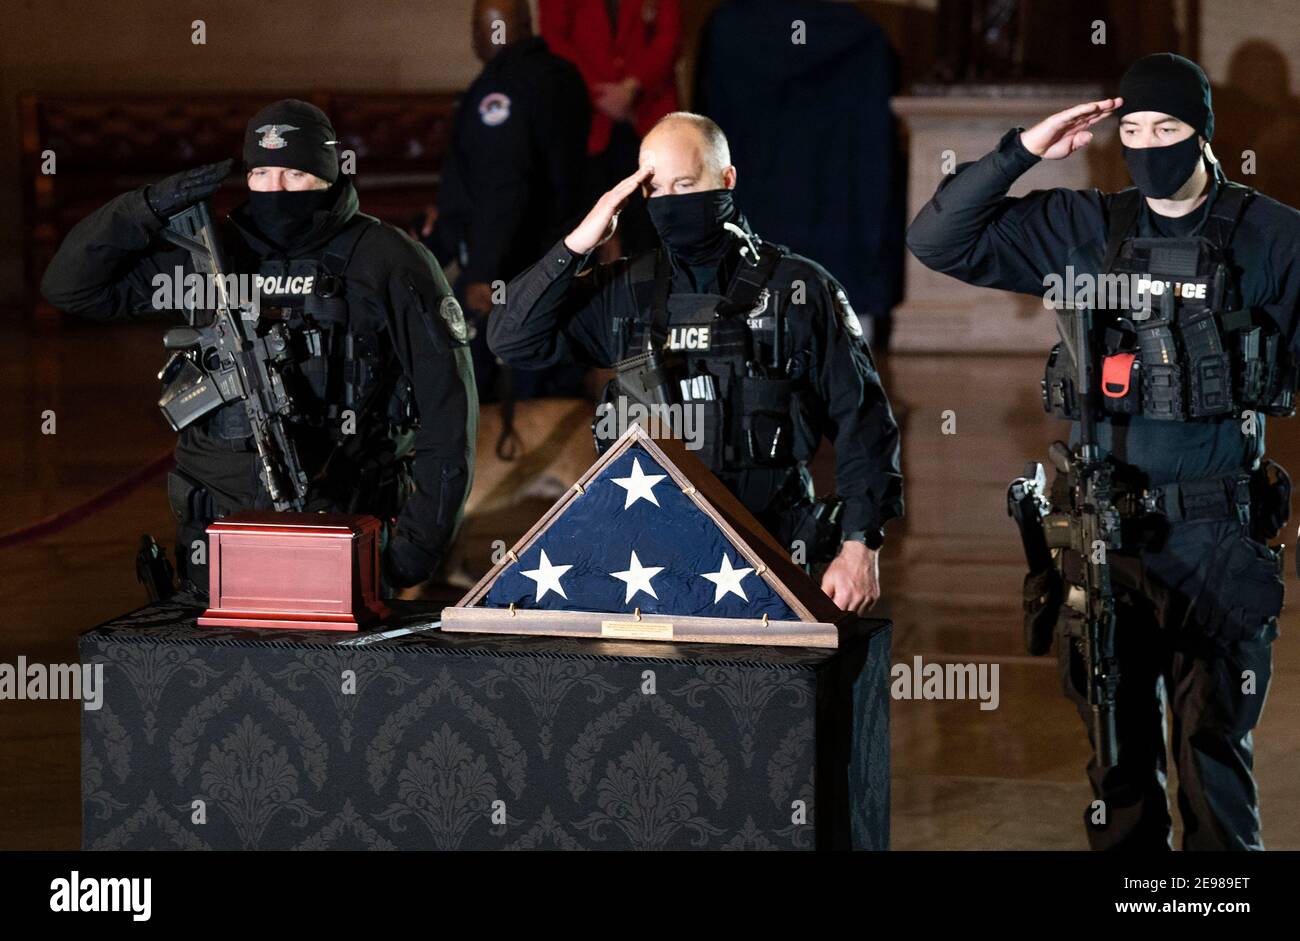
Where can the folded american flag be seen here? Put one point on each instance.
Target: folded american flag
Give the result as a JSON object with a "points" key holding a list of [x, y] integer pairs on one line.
{"points": [[633, 539]]}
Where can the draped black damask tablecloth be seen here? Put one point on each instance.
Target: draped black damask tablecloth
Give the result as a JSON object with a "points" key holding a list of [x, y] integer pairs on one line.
{"points": [[574, 743]]}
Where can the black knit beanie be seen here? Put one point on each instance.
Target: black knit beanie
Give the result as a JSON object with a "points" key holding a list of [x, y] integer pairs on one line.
{"points": [[1170, 84], [294, 134]]}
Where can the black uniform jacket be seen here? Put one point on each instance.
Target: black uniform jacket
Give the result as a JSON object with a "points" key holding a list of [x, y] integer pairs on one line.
{"points": [[105, 270], [972, 230], [512, 178], [562, 310]]}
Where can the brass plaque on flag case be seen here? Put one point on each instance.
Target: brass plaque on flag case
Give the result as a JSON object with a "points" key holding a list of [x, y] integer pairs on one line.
{"points": [[636, 630]]}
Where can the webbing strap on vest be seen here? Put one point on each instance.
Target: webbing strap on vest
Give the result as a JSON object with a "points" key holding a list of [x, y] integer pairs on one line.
{"points": [[1124, 209], [1226, 213], [747, 283], [334, 260], [326, 304], [1220, 225], [659, 299], [338, 252]]}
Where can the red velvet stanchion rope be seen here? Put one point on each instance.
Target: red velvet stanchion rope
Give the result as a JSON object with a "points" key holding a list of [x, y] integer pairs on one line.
{"points": [[59, 521]]}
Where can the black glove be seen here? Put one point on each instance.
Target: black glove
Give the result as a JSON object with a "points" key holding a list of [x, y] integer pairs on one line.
{"points": [[182, 190]]}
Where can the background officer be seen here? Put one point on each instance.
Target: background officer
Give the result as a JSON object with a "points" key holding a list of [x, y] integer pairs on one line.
{"points": [[380, 376], [512, 179], [1187, 383], [763, 343]]}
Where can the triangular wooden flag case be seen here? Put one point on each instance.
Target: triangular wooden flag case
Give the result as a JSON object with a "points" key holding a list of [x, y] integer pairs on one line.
{"points": [[666, 523]]}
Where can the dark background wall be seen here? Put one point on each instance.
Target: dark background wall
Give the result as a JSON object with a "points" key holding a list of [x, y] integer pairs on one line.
{"points": [[1251, 49]]}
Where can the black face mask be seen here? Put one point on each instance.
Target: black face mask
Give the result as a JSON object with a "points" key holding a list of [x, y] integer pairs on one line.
{"points": [[690, 224], [1158, 172], [284, 216]]}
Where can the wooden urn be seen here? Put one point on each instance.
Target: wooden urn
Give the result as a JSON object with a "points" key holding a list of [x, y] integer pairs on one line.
{"points": [[301, 571]]}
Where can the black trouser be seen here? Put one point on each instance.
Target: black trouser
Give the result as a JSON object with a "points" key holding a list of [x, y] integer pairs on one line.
{"points": [[1195, 624], [193, 509]]}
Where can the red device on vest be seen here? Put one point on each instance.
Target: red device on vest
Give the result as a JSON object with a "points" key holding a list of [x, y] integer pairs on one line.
{"points": [[1115, 372]]}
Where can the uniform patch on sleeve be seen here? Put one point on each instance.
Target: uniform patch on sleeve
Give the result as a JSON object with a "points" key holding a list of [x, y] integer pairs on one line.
{"points": [[847, 315], [454, 318], [494, 109]]}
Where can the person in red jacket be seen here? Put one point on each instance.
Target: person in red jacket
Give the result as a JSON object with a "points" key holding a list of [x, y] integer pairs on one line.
{"points": [[626, 51]]}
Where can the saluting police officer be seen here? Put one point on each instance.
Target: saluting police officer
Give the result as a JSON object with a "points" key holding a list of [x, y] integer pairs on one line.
{"points": [[1189, 367], [762, 342], [380, 373]]}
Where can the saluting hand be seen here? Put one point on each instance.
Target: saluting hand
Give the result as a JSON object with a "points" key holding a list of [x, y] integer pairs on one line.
{"points": [[1066, 131], [600, 223], [182, 190]]}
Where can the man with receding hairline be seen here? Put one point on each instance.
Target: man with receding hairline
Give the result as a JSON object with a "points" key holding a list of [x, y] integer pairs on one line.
{"points": [[758, 341]]}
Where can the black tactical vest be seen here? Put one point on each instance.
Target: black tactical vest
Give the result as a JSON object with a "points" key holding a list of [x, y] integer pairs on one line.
{"points": [[720, 356], [336, 362], [1181, 346]]}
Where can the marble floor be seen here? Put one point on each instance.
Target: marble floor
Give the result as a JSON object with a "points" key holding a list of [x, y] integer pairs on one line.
{"points": [[963, 778]]}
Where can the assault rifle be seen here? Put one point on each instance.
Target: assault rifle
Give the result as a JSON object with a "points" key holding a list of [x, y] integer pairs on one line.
{"points": [[227, 361], [1094, 527]]}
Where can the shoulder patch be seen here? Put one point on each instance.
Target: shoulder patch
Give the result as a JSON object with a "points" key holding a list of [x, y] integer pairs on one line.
{"points": [[494, 109], [454, 318], [848, 316]]}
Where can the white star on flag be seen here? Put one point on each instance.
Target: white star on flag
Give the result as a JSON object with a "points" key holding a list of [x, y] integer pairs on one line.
{"points": [[547, 577], [727, 580], [637, 578], [640, 486]]}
